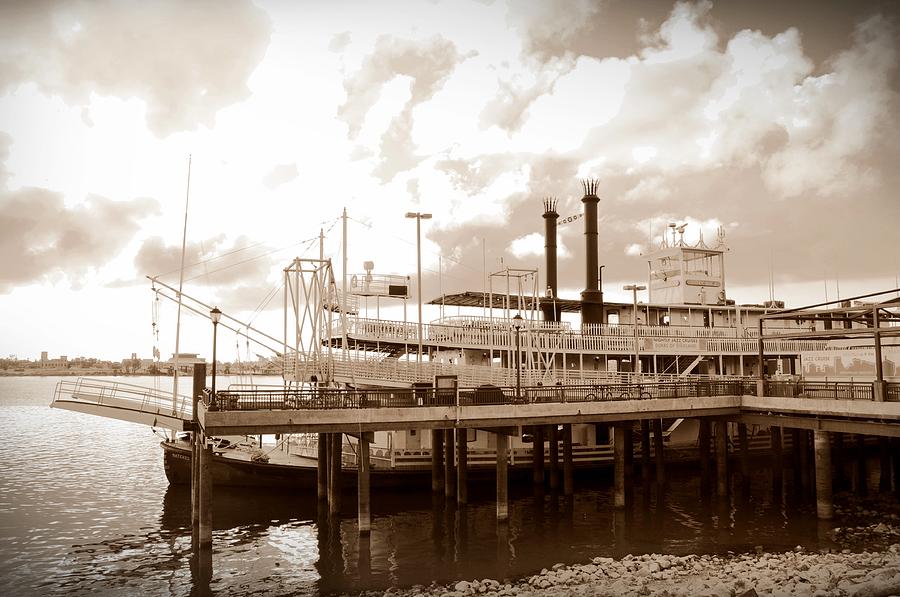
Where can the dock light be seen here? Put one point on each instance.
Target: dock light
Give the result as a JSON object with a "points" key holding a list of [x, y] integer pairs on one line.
{"points": [[517, 325], [214, 315], [637, 352], [419, 217]]}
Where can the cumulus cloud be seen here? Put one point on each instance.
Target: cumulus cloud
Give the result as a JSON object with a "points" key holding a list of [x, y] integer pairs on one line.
{"points": [[747, 129], [211, 262], [41, 238], [185, 60], [426, 63], [281, 174]]}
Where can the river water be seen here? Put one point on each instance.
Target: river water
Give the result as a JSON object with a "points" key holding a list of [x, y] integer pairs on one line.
{"points": [[85, 508]]}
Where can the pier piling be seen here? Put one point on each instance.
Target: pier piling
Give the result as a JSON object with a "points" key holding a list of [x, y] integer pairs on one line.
{"points": [[884, 457], [554, 457], [449, 464], [703, 441], [362, 485], [822, 446], [777, 452], [206, 488], [619, 464], [334, 473], [462, 466], [659, 453], [538, 455], [568, 485], [862, 483], [502, 479], [645, 450], [745, 452], [437, 460], [199, 382], [322, 467], [722, 458]]}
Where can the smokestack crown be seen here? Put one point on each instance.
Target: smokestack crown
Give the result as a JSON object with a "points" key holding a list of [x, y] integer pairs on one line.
{"points": [[550, 206], [590, 186]]}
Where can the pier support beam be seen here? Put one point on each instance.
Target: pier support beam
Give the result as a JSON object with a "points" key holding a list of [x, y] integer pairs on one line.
{"points": [[568, 485], [362, 484], [462, 466], [199, 382], [502, 478], [722, 458], [822, 445], [896, 457], [619, 463], [437, 460], [660, 454], [206, 488], [334, 473], [554, 457], [796, 446], [449, 464], [322, 467], [538, 454], [645, 450]]}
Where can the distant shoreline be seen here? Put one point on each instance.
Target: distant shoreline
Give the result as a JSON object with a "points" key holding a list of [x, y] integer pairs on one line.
{"points": [[74, 373]]}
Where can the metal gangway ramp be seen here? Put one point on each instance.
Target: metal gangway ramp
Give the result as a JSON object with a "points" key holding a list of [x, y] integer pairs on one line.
{"points": [[123, 401]]}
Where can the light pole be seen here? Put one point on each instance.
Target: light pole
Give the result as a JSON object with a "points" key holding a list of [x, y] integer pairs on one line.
{"points": [[419, 217], [215, 315], [517, 325], [637, 352]]}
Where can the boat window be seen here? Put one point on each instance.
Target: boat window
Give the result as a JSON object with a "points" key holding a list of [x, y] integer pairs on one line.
{"points": [[612, 317]]}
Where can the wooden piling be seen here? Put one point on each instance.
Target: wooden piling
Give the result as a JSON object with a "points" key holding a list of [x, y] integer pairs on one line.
{"points": [[449, 464], [568, 484], [645, 450], [629, 452], [659, 452], [502, 478], [822, 448], [334, 476], [462, 466], [745, 451], [722, 458], [362, 485], [199, 383], [619, 464], [206, 496], [322, 467], [538, 455], [805, 477], [554, 457], [437, 460]]}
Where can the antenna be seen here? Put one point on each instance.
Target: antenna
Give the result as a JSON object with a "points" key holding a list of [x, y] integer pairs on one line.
{"points": [[672, 226]]}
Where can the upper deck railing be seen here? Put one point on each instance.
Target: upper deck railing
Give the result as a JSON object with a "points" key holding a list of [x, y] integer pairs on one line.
{"points": [[492, 333]]}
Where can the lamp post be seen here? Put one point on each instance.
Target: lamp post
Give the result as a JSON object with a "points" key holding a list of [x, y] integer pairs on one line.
{"points": [[517, 325], [215, 315], [419, 217], [637, 352]]}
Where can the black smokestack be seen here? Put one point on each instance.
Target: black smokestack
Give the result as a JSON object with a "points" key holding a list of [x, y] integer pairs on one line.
{"points": [[591, 298], [549, 307]]}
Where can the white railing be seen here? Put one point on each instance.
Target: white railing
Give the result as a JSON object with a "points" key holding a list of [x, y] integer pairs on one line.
{"points": [[117, 394], [484, 333]]}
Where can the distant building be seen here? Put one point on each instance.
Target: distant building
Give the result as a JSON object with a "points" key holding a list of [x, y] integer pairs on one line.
{"points": [[186, 362], [61, 363]]}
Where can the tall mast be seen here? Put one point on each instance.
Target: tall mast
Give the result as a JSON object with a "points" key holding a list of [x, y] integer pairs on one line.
{"points": [[344, 286], [187, 197]]}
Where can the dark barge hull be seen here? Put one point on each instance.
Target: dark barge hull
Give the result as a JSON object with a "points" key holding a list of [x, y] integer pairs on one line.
{"points": [[243, 473]]}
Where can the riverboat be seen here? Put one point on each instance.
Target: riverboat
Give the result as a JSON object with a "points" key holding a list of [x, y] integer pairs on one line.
{"points": [[517, 334]]}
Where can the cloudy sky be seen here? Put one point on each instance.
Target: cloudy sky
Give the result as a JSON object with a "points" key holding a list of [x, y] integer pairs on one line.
{"points": [[775, 120]]}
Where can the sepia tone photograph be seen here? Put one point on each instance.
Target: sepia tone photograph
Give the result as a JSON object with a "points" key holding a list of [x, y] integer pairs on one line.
{"points": [[449, 298]]}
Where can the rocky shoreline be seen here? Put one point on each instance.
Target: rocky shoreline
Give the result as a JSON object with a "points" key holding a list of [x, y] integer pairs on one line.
{"points": [[864, 562]]}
